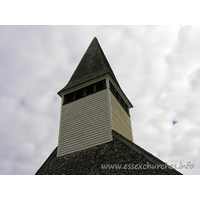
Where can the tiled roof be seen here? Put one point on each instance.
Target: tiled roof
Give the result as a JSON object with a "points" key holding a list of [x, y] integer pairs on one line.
{"points": [[92, 65], [119, 153]]}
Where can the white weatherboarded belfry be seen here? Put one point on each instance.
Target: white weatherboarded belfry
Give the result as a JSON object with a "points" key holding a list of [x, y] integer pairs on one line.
{"points": [[93, 105]]}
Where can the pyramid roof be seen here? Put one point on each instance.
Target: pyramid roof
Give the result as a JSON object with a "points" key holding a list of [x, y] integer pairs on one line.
{"points": [[92, 65]]}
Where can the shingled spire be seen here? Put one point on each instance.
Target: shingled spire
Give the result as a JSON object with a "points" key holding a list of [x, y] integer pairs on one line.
{"points": [[92, 65]]}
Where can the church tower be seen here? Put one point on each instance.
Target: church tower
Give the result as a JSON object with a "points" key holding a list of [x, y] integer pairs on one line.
{"points": [[95, 127], [93, 105]]}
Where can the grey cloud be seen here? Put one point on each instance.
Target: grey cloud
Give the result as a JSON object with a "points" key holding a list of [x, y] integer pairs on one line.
{"points": [[156, 66]]}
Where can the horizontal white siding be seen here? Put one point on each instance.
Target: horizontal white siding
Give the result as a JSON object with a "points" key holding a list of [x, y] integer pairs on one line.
{"points": [[121, 122], [84, 123]]}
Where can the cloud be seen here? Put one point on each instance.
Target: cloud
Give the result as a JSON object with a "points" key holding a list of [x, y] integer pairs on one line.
{"points": [[156, 66]]}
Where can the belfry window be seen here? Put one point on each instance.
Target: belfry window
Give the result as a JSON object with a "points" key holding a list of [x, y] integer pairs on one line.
{"points": [[78, 94], [86, 91], [100, 85], [112, 89], [68, 98], [89, 89]]}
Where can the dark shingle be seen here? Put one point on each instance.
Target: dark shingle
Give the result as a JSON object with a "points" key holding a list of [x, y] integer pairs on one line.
{"points": [[120, 151], [92, 65]]}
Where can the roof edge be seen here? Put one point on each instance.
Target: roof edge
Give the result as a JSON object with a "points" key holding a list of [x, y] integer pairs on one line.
{"points": [[109, 76], [145, 153], [47, 161], [63, 90]]}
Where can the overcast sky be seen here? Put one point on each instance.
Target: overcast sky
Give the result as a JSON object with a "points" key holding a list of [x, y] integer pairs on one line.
{"points": [[158, 68]]}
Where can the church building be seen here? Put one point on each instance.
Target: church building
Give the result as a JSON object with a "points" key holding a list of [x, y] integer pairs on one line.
{"points": [[95, 134]]}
